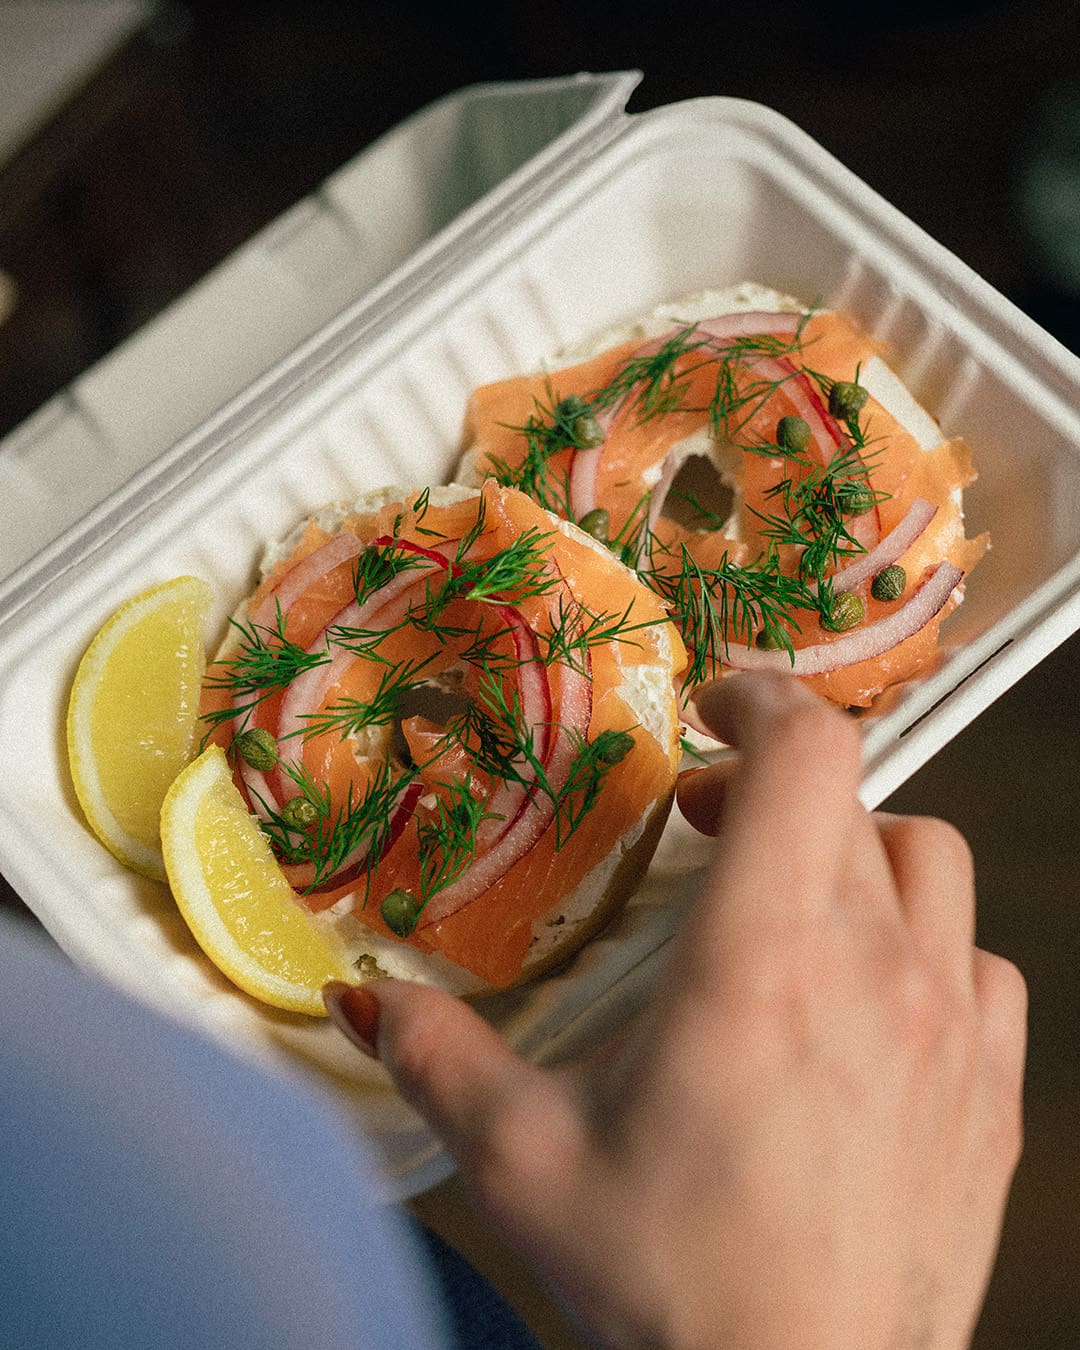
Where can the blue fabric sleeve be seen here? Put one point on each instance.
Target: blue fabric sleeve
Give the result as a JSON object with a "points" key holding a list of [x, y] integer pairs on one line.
{"points": [[156, 1191]]}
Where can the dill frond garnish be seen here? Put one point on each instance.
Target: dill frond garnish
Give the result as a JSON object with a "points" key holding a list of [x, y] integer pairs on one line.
{"points": [[264, 663], [715, 606], [348, 716], [447, 838], [362, 822]]}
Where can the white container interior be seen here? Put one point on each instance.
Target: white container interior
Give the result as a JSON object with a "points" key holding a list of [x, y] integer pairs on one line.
{"points": [[697, 195]]}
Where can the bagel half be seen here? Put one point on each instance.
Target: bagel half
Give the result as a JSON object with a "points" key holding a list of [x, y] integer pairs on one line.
{"points": [[671, 429], [501, 684]]}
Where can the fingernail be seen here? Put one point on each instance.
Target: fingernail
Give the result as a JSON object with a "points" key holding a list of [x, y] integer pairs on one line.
{"points": [[354, 1010]]}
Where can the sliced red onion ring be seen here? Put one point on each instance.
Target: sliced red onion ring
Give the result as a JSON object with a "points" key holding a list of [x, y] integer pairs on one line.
{"points": [[585, 464], [731, 327], [658, 496], [861, 644], [575, 710], [338, 548], [308, 691], [301, 876], [894, 545], [509, 797]]}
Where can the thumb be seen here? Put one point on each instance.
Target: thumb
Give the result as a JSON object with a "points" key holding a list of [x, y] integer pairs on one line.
{"points": [[474, 1091]]}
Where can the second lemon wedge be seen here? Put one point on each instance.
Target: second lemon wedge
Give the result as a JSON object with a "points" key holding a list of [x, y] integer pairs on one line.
{"points": [[234, 897]]}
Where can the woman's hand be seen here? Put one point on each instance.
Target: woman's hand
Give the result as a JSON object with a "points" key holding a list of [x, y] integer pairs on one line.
{"points": [[807, 1137]]}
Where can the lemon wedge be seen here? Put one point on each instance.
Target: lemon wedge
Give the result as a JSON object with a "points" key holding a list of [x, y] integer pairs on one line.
{"points": [[133, 715], [233, 895]]}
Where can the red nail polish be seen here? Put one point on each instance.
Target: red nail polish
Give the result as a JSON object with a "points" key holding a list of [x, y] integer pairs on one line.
{"points": [[354, 1009]]}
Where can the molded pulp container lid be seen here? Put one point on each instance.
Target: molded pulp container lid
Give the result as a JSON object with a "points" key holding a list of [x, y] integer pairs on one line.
{"points": [[636, 211]]}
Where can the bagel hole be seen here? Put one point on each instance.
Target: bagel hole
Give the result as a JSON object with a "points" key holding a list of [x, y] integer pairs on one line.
{"points": [[699, 498], [439, 701]]}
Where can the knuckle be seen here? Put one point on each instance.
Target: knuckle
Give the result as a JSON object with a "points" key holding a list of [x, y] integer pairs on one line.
{"points": [[815, 729], [945, 841], [524, 1135], [921, 1006]]}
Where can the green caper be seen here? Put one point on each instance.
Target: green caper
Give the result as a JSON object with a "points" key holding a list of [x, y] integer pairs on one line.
{"points": [[257, 747], [847, 611], [587, 432], [401, 912], [570, 407], [856, 498], [847, 399], [889, 583], [767, 640], [612, 746], [596, 522], [793, 433], [298, 813]]}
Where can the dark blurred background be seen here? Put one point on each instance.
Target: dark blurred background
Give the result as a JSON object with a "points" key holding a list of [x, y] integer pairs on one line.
{"points": [[213, 118]]}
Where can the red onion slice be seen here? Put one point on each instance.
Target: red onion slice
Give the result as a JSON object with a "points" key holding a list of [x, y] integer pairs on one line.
{"points": [[507, 800], [534, 818], [861, 644], [301, 876], [308, 691], [730, 327], [894, 545], [338, 548], [658, 496]]}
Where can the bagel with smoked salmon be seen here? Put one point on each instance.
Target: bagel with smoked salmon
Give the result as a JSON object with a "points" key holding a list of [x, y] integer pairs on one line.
{"points": [[765, 472], [454, 715]]}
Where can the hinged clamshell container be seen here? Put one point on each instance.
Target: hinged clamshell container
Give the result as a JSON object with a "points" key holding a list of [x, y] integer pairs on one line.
{"points": [[336, 352]]}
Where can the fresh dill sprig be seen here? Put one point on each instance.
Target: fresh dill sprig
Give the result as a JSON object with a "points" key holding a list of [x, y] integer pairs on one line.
{"points": [[654, 385], [362, 820], [576, 629], [591, 763], [265, 662], [517, 572], [348, 716], [501, 745], [446, 840], [817, 507], [495, 735], [714, 606], [378, 565], [534, 475]]}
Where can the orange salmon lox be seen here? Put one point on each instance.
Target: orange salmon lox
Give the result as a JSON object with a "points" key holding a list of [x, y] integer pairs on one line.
{"points": [[488, 621], [764, 569]]}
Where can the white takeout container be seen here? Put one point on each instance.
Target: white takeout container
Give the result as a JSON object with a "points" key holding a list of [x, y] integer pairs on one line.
{"points": [[565, 215]]}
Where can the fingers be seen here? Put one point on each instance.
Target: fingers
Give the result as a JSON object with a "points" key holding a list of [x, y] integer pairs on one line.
{"points": [[1001, 994], [503, 1120], [935, 880], [700, 794], [792, 829]]}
